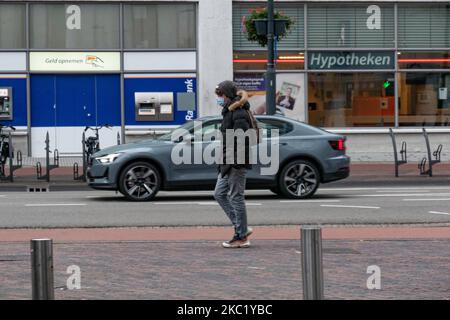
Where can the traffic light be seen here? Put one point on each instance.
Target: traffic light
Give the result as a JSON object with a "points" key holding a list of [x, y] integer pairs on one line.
{"points": [[389, 86]]}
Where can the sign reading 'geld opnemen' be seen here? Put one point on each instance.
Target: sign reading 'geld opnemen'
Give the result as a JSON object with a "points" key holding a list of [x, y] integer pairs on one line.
{"points": [[353, 60]]}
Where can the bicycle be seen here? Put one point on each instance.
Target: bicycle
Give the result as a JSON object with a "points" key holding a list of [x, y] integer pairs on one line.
{"points": [[92, 143], [4, 148]]}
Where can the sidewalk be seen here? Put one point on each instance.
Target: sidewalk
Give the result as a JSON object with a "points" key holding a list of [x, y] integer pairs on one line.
{"points": [[404, 232], [153, 263], [361, 174]]}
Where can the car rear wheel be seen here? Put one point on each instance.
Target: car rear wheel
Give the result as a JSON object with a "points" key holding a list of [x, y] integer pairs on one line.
{"points": [[139, 181], [299, 179]]}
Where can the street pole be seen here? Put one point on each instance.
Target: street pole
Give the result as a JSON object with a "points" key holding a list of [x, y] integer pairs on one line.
{"points": [[312, 269], [42, 269], [270, 74]]}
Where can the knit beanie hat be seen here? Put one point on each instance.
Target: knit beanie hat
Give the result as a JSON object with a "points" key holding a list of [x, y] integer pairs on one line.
{"points": [[227, 88]]}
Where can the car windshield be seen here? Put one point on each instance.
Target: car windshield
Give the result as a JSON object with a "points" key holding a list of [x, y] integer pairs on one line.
{"points": [[187, 126]]}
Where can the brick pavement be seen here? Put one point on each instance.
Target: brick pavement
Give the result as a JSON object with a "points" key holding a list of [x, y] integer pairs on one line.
{"points": [[200, 269], [385, 169]]}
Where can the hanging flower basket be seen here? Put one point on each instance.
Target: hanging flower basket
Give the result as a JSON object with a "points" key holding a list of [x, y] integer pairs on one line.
{"points": [[279, 26], [256, 26]]}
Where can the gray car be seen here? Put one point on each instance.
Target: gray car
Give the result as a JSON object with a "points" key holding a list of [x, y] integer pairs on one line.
{"points": [[308, 156]]}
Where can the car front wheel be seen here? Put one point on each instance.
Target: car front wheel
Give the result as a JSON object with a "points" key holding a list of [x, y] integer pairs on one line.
{"points": [[139, 181], [299, 179]]}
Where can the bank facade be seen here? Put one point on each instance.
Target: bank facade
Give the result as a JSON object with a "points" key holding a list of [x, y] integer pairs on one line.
{"points": [[356, 68]]}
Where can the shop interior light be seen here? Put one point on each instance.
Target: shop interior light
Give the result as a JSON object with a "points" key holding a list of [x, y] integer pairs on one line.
{"points": [[265, 61], [423, 60], [291, 58]]}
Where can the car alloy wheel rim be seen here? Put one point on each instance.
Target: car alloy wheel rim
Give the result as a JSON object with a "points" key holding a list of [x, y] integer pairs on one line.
{"points": [[300, 179], [140, 182]]}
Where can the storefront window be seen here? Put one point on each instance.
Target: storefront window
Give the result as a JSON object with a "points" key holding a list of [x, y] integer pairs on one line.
{"points": [[290, 93], [160, 26], [424, 99], [424, 60], [351, 99], [424, 26], [257, 60], [12, 26], [351, 26], [81, 26]]}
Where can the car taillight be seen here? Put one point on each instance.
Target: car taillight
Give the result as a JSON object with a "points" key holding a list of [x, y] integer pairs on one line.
{"points": [[338, 144]]}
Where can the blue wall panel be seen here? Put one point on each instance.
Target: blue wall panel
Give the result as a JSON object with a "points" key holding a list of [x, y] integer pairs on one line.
{"points": [[19, 101], [80, 100], [108, 88], [174, 85], [42, 100]]}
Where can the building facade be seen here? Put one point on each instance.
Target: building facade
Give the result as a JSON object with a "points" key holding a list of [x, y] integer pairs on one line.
{"points": [[357, 68]]}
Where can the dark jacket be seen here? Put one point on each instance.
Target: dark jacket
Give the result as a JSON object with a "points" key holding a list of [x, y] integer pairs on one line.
{"points": [[235, 116]]}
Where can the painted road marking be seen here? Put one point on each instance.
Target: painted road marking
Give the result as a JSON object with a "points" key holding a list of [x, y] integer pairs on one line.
{"points": [[205, 203], [216, 204], [302, 201], [383, 188], [176, 202], [208, 203], [404, 191], [437, 212], [342, 206], [54, 204], [442, 199], [402, 195]]}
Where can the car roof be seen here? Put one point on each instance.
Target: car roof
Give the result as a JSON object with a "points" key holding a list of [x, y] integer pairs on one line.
{"points": [[265, 116], [297, 123]]}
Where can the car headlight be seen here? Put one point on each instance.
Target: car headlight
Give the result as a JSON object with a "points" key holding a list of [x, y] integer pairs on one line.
{"points": [[109, 158]]}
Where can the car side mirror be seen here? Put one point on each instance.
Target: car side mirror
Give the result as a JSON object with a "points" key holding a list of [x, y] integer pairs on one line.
{"points": [[187, 138]]}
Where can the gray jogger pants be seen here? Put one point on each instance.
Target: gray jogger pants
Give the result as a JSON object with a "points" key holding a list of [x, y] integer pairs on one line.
{"points": [[230, 194]]}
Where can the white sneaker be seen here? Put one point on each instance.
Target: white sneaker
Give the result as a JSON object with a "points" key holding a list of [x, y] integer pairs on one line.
{"points": [[236, 243]]}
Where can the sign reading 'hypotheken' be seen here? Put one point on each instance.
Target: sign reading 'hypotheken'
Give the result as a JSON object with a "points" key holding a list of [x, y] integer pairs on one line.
{"points": [[338, 60]]}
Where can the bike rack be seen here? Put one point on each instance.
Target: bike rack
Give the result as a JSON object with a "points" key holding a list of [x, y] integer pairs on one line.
{"points": [[118, 138], [12, 167], [76, 173], [431, 162], [403, 152], [49, 167]]}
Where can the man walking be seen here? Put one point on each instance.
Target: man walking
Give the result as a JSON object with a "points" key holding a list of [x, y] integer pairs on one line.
{"points": [[230, 187]]}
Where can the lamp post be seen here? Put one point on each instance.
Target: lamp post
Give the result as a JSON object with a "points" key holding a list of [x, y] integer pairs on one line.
{"points": [[270, 74]]}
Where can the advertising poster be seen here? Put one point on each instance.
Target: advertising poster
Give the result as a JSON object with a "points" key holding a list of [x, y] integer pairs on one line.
{"points": [[290, 93]]}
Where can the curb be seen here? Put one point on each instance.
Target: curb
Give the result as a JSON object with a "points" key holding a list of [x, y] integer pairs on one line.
{"points": [[39, 187], [361, 181]]}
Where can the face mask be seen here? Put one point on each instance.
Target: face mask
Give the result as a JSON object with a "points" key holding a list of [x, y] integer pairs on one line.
{"points": [[220, 101]]}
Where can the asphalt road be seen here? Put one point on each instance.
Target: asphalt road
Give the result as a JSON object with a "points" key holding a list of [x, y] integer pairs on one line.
{"points": [[392, 205]]}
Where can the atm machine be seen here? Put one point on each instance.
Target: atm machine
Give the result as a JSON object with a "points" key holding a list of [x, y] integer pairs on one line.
{"points": [[6, 105], [154, 106]]}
